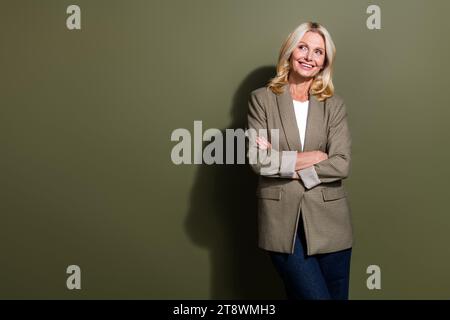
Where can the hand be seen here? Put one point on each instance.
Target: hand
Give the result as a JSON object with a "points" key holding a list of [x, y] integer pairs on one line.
{"points": [[319, 156], [309, 158], [262, 143]]}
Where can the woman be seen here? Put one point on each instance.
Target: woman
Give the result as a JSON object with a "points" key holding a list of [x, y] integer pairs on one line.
{"points": [[300, 145]]}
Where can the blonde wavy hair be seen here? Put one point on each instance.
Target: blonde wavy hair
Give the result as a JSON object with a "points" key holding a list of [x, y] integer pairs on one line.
{"points": [[322, 85]]}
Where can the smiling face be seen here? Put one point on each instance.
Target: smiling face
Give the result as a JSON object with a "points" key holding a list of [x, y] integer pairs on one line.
{"points": [[309, 55]]}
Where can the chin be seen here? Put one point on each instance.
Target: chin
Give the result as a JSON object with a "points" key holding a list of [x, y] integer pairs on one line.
{"points": [[305, 75]]}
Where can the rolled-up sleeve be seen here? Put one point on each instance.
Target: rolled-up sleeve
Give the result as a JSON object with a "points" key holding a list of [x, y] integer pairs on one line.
{"points": [[288, 162], [309, 177]]}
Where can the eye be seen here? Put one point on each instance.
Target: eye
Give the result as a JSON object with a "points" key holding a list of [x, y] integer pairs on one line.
{"points": [[302, 47], [319, 52]]}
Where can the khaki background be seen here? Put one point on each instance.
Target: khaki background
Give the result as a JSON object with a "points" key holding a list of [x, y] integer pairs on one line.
{"points": [[86, 119]]}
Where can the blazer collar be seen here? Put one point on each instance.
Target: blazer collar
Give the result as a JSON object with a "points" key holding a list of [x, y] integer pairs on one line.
{"points": [[287, 114]]}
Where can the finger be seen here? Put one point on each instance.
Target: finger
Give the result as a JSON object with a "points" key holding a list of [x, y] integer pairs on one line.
{"points": [[263, 141]]}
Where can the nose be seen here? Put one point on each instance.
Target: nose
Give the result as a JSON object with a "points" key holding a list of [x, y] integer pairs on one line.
{"points": [[308, 56]]}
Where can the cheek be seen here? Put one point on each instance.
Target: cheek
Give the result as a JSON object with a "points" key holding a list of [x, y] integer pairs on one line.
{"points": [[297, 54], [321, 61]]}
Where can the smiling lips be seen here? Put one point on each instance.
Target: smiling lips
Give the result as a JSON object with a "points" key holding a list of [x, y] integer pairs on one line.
{"points": [[305, 66]]}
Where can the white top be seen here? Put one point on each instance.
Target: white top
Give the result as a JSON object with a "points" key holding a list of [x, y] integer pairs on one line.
{"points": [[301, 115]]}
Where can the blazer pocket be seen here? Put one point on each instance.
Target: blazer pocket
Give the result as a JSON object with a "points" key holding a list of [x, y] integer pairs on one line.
{"points": [[330, 194], [273, 193]]}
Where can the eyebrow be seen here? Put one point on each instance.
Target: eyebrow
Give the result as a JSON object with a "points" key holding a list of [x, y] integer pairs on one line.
{"points": [[301, 42]]}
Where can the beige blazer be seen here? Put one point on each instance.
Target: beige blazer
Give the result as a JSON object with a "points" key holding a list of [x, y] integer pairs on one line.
{"points": [[318, 195]]}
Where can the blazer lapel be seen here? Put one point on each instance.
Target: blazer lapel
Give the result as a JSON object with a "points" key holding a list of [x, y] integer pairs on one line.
{"points": [[314, 124], [287, 114], [289, 121]]}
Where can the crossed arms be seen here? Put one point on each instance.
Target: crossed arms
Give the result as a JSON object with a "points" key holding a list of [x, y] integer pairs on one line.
{"points": [[311, 167]]}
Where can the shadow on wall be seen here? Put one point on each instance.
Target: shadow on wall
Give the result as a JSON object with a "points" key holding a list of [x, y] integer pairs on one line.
{"points": [[222, 216]]}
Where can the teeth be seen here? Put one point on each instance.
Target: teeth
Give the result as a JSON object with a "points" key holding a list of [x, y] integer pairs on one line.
{"points": [[306, 65]]}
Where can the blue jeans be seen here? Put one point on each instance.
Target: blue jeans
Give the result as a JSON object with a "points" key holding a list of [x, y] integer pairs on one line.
{"points": [[316, 277]]}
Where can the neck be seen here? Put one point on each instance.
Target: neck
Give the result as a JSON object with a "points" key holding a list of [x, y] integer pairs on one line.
{"points": [[299, 86]]}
